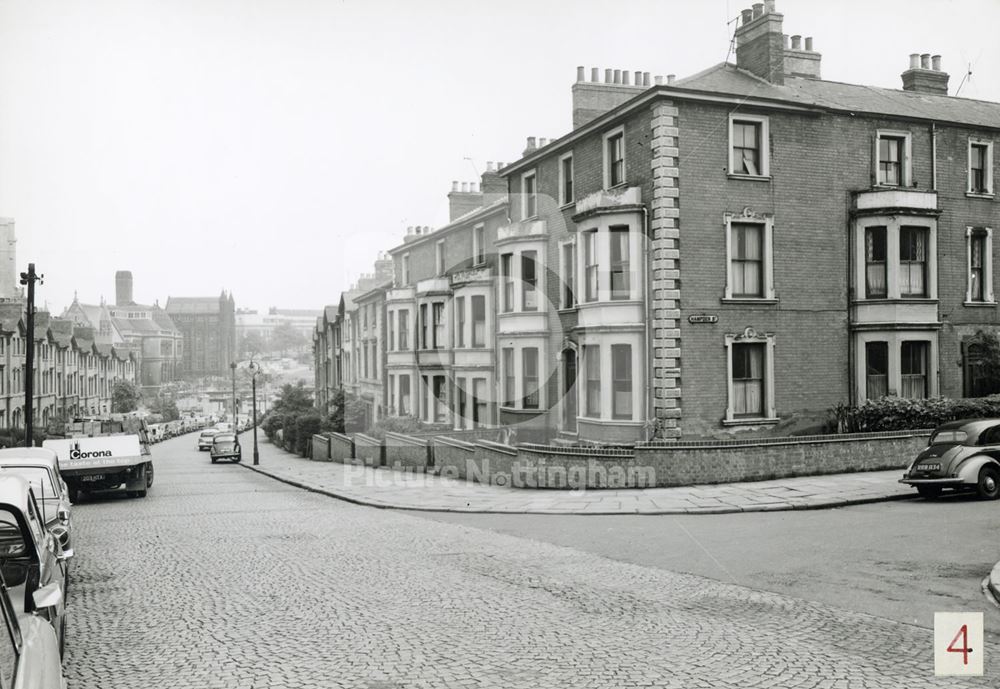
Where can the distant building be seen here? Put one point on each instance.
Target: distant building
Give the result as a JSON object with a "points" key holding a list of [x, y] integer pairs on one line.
{"points": [[208, 325], [10, 289], [147, 332], [250, 322]]}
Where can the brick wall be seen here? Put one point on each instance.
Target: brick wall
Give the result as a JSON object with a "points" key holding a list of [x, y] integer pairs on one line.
{"points": [[407, 452], [320, 448], [451, 456], [368, 450], [341, 448]]}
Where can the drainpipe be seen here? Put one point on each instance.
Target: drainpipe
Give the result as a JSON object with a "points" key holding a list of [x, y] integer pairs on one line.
{"points": [[934, 156], [647, 305]]}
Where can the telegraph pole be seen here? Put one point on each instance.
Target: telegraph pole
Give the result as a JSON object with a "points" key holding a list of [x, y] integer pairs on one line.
{"points": [[30, 278]]}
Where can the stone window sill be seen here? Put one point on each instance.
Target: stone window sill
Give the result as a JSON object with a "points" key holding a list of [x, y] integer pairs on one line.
{"points": [[751, 421], [764, 301], [979, 195], [749, 178], [980, 304]]}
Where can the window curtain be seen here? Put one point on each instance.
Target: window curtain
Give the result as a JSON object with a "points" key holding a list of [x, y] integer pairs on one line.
{"points": [[747, 260], [875, 280], [748, 380], [913, 260]]}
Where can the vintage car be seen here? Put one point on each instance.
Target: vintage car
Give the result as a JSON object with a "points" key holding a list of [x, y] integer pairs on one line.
{"points": [[205, 439], [30, 656], [960, 455], [226, 446], [40, 467], [32, 562]]}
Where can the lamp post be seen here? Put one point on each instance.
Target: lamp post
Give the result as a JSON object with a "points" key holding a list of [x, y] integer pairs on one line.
{"points": [[254, 370], [29, 278], [232, 365]]}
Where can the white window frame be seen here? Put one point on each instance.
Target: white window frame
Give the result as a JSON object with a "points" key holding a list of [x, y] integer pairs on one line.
{"points": [[439, 258], [563, 201], [906, 169], [478, 245], [524, 195], [404, 269], [765, 145], [750, 336], [607, 161], [989, 167], [989, 299], [767, 222]]}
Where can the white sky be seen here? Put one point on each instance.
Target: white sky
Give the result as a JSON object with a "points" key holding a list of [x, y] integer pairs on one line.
{"points": [[273, 147]]}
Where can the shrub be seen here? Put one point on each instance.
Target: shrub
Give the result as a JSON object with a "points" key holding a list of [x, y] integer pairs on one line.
{"points": [[273, 423], [900, 414], [407, 425], [288, 429], [306, 426]]}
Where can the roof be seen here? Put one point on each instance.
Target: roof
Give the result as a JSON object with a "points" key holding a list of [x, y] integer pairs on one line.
{"points": [[330, 312], [374, 292], [304, 313], [474, 214], [193, 305], [834, 95], [41, 456], [163, 319], [14, 491]]}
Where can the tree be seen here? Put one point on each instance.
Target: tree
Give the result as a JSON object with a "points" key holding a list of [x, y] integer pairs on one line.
{"points": [[285, 337], [125, 397], [166, 407], [293, 399], [251, 343], [983, 354]]}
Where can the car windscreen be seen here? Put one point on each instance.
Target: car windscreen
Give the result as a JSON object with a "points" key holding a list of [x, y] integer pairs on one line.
{"points": [[949, 437], [220, 439], [39, 478]]}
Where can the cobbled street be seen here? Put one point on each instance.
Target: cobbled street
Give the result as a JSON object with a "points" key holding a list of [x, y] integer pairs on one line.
{"points": [[225, 578]]}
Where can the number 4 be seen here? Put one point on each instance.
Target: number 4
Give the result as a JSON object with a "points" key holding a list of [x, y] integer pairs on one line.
{"points": [[964, 650]]}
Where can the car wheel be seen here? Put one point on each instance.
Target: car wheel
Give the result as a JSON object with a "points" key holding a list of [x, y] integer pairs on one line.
{"points": [[149, 475], [213, 460], [988, 487], [140, 493], [74, 495], [929, 492]]}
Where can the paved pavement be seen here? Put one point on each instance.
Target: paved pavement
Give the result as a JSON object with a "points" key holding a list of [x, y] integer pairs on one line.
{"points": [[425, 492], [226, 578]]}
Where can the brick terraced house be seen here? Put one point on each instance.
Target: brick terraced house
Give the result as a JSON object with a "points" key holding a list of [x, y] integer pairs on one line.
{"points": [[711, 253]]}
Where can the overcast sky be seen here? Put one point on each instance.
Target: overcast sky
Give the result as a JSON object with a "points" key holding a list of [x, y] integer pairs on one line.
{"points": [[274, 147]]}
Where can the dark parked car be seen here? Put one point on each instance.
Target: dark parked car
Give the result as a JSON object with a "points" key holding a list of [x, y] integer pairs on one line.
{"points": [[961, 455], [226, 446]]}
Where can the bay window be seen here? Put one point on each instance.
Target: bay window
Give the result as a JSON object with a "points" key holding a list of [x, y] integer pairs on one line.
{"points": [[507, 280], [460, 321], [529, 378], [875, 263], [876, 370], [592, 363], [619, 263], [438, 314], [508, 376], [590, 264], [913, 369], [529, 281], [621, 381], [913, 262], [478, 321]]}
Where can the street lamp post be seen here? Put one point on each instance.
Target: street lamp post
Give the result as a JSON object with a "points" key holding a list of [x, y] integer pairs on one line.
{"points": [[29, 278], [254, 370], [232, 365]]}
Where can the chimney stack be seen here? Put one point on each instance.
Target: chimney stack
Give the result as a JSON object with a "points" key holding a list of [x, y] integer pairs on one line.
{"points": [[760, 43], [462, 199], [530, 147], [925, 75], [593, 98], [123, 288]]}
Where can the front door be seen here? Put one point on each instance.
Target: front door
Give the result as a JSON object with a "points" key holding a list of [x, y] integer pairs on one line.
{"points": [[569, 391]]}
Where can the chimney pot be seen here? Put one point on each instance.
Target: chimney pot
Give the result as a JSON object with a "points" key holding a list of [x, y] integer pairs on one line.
{"points": [[645, 78], [758, 9], [618, 76], [579, 73], [454, 185], [500, 166], [595, 74], [625, 79], [914, 60], [531, 143], [489, 166], [809, 43], [670, 78], [543, 142], [658, 79], [747, 16], [788, 41], [637, 78], [769, 6], [607, 76], [925, 61], [465, 187], [936, 63], [796, 42]]}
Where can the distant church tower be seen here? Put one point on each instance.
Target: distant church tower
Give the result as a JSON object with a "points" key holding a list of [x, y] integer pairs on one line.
{"points": [[10, 289]]}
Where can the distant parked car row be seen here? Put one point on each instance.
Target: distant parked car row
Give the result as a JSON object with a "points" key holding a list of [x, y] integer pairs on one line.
{"points": [[158, 432]]}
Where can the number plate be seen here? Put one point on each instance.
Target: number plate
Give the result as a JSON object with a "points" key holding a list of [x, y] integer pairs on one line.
{"points": [[928, 467], [93, 477]]}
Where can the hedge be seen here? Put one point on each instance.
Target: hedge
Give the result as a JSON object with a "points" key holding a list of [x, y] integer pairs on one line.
{"points": [[900, 414]]}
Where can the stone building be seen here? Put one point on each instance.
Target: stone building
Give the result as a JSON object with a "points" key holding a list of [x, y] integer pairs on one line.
{"points": [[208, 326], [716, 253]]}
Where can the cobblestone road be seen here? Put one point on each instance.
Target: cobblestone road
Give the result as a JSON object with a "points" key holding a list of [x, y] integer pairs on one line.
{"points": [[226, 578]]}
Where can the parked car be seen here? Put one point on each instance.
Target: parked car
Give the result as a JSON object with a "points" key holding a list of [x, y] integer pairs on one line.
{"points": [[40, 467], [205, 439], [32, 562], [960, 455], [226, 446], [30, 657]]}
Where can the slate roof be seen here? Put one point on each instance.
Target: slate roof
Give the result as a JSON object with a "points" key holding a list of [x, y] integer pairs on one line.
{"points": [[835, 95], [193, 305], [163, 319], [330, 312]]}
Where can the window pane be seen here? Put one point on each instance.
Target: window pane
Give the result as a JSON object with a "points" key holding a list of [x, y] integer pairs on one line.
{"points": [[529, 364], [506, 277], [912, 261], [977, 244], [913, 369], [875, 263], [621, 375], [508, 373], [748, 379], [590, 262], [592, 358], [529, 281], [877, 369], [747, 261], [619, 263], [478, 321], [460, 322]]}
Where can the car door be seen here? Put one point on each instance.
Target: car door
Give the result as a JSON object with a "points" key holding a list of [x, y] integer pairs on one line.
{"points": [[51, 567]]}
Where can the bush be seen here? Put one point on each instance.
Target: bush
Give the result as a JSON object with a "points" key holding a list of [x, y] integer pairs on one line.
{"points": [[306, 426], [900, 414], [273, 423], [288, 429], [407, 425]]}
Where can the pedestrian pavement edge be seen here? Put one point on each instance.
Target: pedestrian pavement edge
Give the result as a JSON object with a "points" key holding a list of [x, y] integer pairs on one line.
{"points": [[787, 507]]}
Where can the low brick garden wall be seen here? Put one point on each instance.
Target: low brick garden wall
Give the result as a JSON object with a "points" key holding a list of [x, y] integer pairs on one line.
{"points": [[408, 452], [320, 448], [654, 464]]}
